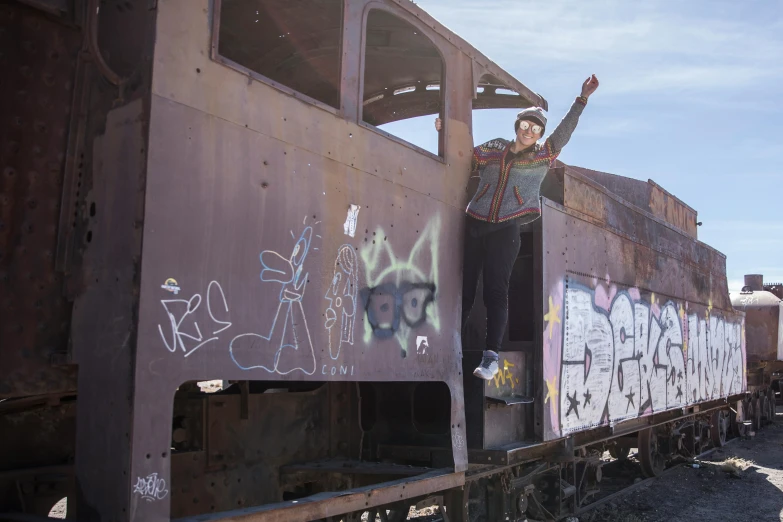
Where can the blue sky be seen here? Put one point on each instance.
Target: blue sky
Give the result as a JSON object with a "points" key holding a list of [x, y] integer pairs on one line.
{"points": [[690, 97]]}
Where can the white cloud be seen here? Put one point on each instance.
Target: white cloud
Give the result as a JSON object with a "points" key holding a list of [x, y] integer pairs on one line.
{"points": [[650, 47]]}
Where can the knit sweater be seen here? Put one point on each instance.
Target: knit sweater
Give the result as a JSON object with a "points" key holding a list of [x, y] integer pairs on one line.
{"points": [[509, 184]]}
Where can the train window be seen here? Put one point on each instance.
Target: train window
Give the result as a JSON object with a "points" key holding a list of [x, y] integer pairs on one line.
{"points": [[295, 44], [403, 79]]}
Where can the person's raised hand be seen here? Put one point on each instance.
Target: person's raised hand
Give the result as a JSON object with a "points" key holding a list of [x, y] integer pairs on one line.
{"points": [[590, 85], [438, 124]]}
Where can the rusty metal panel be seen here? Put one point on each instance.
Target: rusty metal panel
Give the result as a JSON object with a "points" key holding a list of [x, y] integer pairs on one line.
{"points": [[104, 315], [667, 207], [385, 286], [618, 346], [38, 60], [702, 269], [648, 196], [330, 504], [53, 7], [240, 465], [256, 266], [40, 436]]}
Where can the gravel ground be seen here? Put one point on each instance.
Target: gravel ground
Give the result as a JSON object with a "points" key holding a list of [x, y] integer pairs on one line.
{"points": [[743, 481]]}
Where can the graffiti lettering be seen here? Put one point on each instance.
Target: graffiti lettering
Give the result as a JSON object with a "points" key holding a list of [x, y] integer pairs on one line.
{"points": [[336, 370], [504, 377], [626, 361], [151, 488], [180, 339]]}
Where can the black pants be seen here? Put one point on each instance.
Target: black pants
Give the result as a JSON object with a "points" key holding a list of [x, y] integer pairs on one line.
{"points": [[494, 252]]}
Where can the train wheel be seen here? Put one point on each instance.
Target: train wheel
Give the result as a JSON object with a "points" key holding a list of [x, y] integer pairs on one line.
{"points": [[719, 427], [757, 409], [652, 460], [745, 408], [618, 452], [736, 419], [765, 416]]}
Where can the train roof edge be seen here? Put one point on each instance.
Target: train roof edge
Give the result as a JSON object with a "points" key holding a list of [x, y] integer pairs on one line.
{"points": [[478, 57]]}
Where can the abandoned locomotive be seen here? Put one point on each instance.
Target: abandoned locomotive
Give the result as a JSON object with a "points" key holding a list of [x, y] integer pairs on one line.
{"points": [[209, 189]]}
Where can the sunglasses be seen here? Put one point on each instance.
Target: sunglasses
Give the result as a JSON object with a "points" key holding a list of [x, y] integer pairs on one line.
{"points": [[526, 125]]}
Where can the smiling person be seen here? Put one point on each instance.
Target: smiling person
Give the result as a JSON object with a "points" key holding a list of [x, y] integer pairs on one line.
{"points": [[510, 175]]}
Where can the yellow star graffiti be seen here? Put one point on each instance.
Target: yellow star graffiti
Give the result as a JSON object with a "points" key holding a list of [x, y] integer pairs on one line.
{"points": [[551, 389], [552, 316]]}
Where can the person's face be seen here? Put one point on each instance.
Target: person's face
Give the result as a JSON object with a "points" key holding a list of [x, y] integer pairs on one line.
{"points": [[528, 132]]}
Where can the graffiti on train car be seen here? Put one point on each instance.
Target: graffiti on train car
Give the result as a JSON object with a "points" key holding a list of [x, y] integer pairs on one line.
{"points": [[400, 292], [289, 334], [505, 378], [399, 297], [622, 356], [151, 487], [341, 296], [285, 344], [181, 337]]}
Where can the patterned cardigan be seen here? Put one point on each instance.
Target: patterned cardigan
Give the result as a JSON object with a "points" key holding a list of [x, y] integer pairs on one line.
{"points": [[509, 186]]}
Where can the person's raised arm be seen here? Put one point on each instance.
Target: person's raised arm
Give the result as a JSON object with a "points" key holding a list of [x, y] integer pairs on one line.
{"points": [[559, 138]]}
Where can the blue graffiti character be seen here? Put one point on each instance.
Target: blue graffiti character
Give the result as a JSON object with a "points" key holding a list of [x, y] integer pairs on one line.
{"points": [[289, 333]]}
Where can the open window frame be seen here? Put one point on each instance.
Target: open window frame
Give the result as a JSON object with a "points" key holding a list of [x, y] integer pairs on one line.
{"points": [[410, 90], [223, 60]]}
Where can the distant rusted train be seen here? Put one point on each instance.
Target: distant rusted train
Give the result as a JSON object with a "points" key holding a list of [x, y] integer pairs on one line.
{"points": [[199, 189]]}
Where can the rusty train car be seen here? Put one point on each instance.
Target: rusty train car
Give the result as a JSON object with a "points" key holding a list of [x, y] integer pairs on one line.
{"points": [[199, 189], [761, 303]]}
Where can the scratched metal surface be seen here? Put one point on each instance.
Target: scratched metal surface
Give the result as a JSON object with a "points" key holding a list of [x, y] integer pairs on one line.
{"points": [[625, 334], [35, 102]]}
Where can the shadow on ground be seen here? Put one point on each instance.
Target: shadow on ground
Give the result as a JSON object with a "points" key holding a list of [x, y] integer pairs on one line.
{"points": [[741, 482]]}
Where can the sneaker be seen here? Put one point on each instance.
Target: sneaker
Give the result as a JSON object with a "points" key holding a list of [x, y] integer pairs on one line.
{"points": [[487, 369]]}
